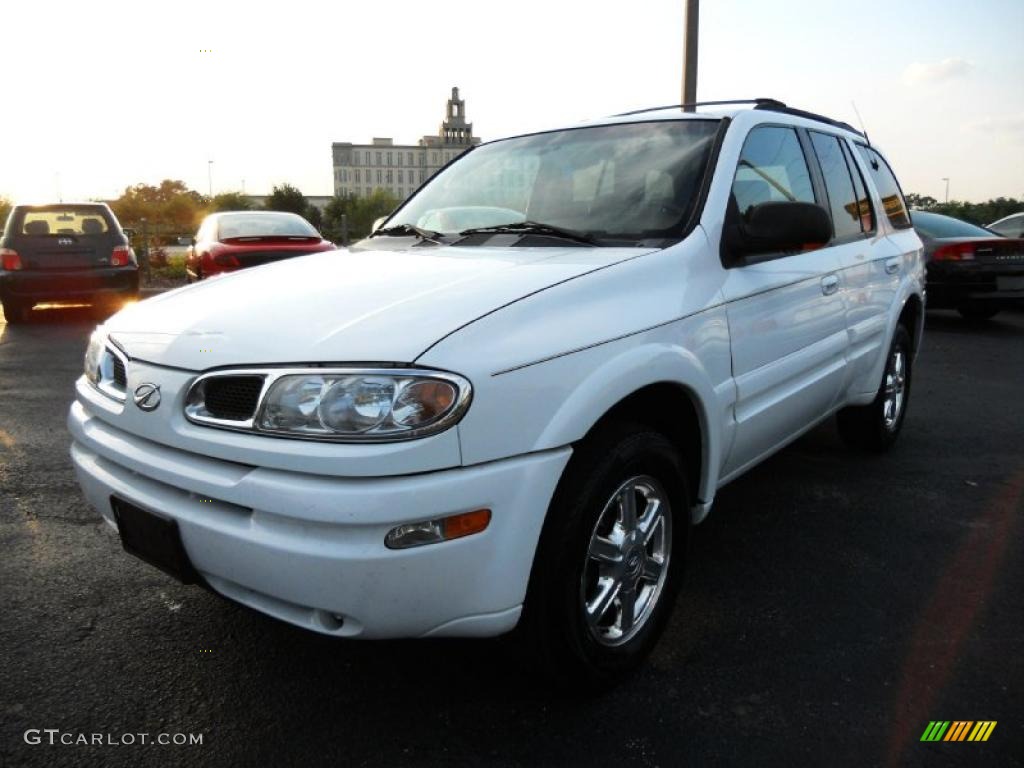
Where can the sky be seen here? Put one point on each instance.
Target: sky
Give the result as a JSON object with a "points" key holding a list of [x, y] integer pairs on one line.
{"points": [[95, 101]]}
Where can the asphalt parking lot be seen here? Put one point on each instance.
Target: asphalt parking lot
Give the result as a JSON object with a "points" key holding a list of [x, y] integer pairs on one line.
{"points": [[835, 604]]}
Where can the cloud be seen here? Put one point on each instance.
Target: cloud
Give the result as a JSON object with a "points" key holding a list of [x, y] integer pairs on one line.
{"points": [[936, 72], [1012, 125]]}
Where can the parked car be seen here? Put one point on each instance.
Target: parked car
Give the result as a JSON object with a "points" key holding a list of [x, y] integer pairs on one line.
{"points": [[234, 240], [457, 432], [1009, 226], [970, 269], [64, 252]]}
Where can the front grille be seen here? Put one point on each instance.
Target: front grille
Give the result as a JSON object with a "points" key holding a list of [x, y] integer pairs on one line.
{"points": [[120, 377], [233, 398]]}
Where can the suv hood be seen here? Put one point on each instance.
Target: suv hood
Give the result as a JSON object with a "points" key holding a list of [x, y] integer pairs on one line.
{"points": [[343, 306]]}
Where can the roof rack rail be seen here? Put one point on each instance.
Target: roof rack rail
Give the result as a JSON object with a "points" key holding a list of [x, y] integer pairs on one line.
{"points": [[780, 107], [773, 105], [767, 104]]}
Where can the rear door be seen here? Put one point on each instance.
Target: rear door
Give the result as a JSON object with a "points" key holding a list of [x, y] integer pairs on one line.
{"points": [[64, 238], [869, 263], [786, 318]]}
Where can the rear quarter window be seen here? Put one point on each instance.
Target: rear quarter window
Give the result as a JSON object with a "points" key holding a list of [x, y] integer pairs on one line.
{"points": [[888, 188]]}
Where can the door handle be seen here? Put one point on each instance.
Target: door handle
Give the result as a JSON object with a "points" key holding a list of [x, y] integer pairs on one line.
{"points": [[829, 285], [892, 266]]}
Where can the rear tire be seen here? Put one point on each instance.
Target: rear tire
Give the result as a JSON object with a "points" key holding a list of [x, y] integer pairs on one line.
{"points": [[875, 427], [16, 312], [978, 312], [605, 579]]}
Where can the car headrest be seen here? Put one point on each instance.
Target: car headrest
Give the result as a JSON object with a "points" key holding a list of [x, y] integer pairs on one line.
{"points": [[92, 226], [37, 227]]}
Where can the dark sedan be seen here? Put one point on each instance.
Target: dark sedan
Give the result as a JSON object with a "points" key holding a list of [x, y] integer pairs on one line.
{"points": [[64, 252], [234, 240], [970, 269]]}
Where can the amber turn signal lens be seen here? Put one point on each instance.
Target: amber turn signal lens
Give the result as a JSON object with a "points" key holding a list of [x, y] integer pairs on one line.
{"points": [[463, 525], [436, 531]]}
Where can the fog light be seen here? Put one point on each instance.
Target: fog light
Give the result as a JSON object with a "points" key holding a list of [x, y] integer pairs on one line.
{"points": [[433, 531]]}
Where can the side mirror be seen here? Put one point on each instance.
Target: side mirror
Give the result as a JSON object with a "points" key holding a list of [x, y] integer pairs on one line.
{"points": [[128, 232], [192, 241], [377, 223], [780, 226]]}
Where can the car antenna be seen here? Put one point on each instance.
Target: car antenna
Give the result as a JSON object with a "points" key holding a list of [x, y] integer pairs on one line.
{"points": [[859, 120]]}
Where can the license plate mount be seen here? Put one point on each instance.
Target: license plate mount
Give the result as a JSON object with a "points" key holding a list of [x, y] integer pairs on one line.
{"points": [[154, 539]]}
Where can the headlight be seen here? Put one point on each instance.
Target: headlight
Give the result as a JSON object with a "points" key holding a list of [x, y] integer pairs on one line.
{"points": [[106, 367], [93, 354], [331, 404]]}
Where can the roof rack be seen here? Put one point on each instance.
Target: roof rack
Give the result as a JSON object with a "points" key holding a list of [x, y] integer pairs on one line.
{"points": [[780, 107], [767, 102], [772, 105]]}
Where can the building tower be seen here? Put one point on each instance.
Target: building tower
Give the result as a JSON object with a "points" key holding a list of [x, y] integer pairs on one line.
{"points": [[455, 129]]}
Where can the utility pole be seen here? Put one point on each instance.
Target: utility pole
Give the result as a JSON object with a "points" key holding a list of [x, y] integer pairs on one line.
{"points": [[690, 53], [946, 179], [209, 177]]}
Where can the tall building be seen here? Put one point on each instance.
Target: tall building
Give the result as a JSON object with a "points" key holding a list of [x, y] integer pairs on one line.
{"points": [[359, 169]]}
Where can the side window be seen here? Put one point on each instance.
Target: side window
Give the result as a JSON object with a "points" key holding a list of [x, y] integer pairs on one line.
{"points": [[864, 207], [772, 166], [888, 188], [842, 198]]}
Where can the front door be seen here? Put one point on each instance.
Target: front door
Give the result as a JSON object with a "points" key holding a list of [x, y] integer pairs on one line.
{"points": [[787, 321]]}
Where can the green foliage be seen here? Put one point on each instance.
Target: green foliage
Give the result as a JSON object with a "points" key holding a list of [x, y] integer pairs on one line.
{"points": [[171, 207], [230, 201], [332, 227], [5, 210], [361, 213], [286, 198], [976, 213]]}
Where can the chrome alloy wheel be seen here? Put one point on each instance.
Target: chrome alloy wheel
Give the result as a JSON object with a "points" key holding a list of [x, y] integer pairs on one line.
{"points": [[627, 561], [895, 386]]}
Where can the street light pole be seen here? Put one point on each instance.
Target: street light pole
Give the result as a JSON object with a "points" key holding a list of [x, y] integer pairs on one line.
{"points": [[946, 179], [690, 53], [209, 177]]}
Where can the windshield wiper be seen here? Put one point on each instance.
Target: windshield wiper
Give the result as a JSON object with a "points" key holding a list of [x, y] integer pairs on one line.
{"points": [[531, 228], [410, 229]]}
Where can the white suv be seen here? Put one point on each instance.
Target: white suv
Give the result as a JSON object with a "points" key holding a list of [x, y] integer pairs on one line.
{"points": [[509, 404]]}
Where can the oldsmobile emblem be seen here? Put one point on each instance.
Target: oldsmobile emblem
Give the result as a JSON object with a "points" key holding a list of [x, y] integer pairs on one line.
{"points": [[147, 397]]}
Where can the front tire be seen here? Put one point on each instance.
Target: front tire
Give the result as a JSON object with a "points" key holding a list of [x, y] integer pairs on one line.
{"points": [[875, 427], [610, 559]]}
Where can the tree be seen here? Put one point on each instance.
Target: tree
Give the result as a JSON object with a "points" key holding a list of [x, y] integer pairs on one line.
{"points": [[339, 206], [920, 202], [171, 206], [976, 213], [365, 210], [313, 215], [230, 201], [5, 210], [286, 198]]}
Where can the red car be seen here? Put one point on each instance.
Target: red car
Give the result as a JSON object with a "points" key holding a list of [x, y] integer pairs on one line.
{"points": [[235, 240]]}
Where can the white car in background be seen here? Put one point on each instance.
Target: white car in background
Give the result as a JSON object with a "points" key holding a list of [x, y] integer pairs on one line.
{"points": [[508, 405]]}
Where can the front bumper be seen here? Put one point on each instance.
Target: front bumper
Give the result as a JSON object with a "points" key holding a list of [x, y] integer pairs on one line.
{"points": [[309, 549], [69, 285]]}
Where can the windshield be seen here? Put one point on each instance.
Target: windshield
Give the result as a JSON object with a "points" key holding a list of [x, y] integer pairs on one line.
{"points": [[935, 225], [263, 225], [631, 181]]}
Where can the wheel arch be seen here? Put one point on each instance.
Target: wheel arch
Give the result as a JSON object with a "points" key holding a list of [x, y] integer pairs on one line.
{"points": [[669, 391]]}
